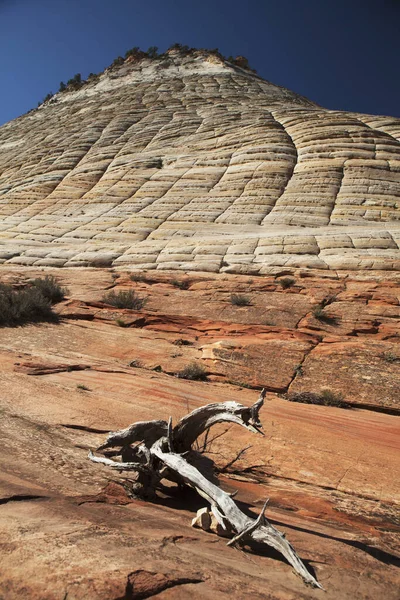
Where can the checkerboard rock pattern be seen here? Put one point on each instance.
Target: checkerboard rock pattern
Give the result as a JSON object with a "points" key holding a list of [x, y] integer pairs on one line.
{"points": [[193, 163]]}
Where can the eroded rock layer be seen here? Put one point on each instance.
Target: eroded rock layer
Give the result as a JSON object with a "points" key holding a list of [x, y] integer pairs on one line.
{"points": [[190, 162], [68, 527]]}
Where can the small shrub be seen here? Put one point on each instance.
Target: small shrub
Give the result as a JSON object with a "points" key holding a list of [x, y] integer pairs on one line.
{"points": [[269, 323], [117, 62], [139, 277], [182, 285], [124, 299], [48, 97], [241, 384], [325, 397], [82, 387], [299, 371], [240, 300], [75, 82], [152, 52], [193, 371], [286, 282], [390, 357], [28, 305], [120, 323], [319, 314], [50, 288], [182, 342]]}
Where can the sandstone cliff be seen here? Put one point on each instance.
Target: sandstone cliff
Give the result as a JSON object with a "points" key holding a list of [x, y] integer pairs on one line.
{"points": [[191, 162]]}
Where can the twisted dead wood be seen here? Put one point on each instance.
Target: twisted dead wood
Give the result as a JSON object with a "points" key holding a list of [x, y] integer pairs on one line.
{"points": [[158, 450]]}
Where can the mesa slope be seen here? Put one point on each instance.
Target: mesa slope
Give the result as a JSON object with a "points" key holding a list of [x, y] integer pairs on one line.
{"points": [[190, 162]]}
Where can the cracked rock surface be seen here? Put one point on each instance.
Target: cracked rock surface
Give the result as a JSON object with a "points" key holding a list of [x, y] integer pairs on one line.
{"points": [[68, 528], [190, 162]]}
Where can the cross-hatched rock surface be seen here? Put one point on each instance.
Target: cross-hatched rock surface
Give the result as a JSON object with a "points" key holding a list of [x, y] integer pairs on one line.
{"points": [[190, 162]]}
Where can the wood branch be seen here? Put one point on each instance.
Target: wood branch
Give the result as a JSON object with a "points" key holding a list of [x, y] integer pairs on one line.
{"points": [[265, 534], [246, 532], [142, 431], [119, 466], [164, 450], [197, 422]]}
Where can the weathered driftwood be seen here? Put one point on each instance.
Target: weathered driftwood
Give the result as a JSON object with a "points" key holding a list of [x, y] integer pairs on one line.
{"points": [[155, 450]]}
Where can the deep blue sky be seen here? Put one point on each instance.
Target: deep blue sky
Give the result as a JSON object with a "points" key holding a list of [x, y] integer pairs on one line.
{"points": [[343, 54]]}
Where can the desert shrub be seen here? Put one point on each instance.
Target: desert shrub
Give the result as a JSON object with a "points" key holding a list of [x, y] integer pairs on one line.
{"points": [[390, 357], [75, 82], [121, 323], [28, 305], [124, 299], [193, 371], [117, 62], [182, 342], [139, 277], [152, 52], [182, 285], [181, 48], [322, 316], [82, 387], [240, 300], [132, 51], [50, 288], [325, 397], [286, 282], [48, 97], [242, 384]]}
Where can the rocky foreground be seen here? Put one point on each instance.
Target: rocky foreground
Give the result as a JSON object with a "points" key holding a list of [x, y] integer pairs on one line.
{"points": [[68, 527]]}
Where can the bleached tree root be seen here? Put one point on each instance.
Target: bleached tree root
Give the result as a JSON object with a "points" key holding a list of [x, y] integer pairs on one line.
{"points": [[155, 450]]}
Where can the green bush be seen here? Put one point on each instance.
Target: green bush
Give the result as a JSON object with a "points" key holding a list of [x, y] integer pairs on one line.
{"points": [[390, 357], [325, 397], [50, 289], [152, 52], [240, 300], [28, 305], [286, 282], [139, 277], [322, 316], [193, 371], [82, 387], [124, 299], [182, 285]]}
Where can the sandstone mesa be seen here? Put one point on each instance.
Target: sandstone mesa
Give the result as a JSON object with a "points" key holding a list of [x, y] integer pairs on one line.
{"points": [[191, 162]]}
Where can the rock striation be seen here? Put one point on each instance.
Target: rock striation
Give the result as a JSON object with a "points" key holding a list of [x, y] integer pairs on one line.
{"points": [[191, 162]]}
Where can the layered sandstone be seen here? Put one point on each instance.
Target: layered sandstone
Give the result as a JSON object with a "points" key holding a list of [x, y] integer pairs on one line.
{"points": [[68, 527], [190, 162]]}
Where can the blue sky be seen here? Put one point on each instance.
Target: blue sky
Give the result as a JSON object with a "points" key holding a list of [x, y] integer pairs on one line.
{"points": [[343, 54]]}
